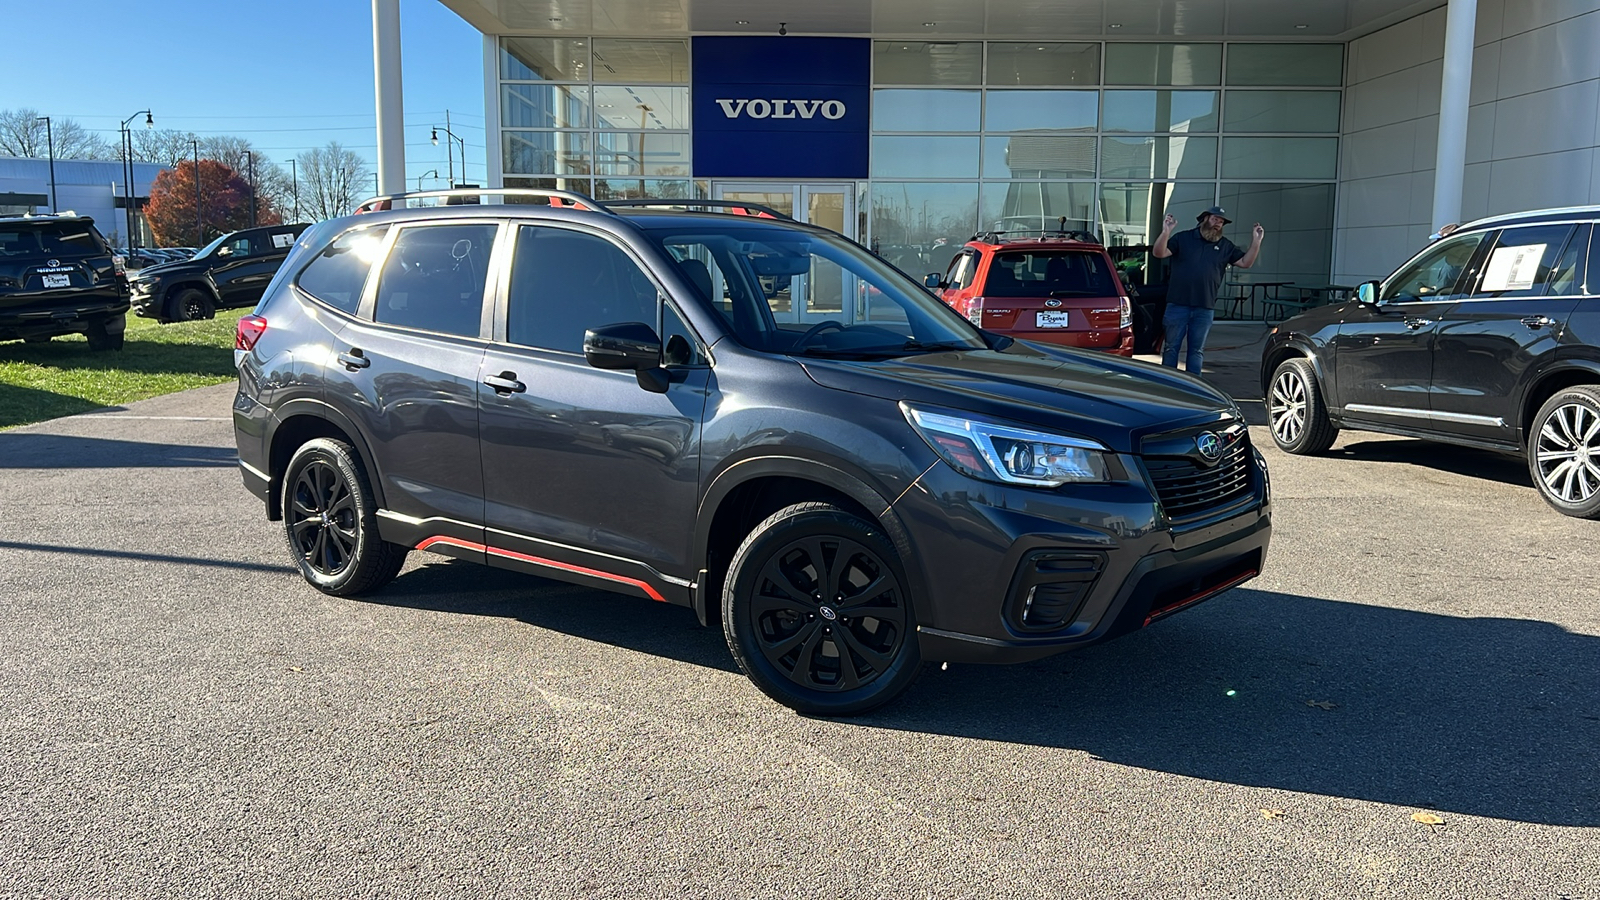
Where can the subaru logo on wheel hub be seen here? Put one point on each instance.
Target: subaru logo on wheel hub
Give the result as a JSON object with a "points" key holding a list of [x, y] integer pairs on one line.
{"points": [[828, 613], [1209, 445]]}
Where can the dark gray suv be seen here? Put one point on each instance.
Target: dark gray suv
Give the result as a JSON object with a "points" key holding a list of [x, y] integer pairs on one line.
{"points": [[754, 418]]}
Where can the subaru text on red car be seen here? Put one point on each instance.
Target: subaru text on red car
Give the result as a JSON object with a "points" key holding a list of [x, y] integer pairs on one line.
{"points": [[1057, 288], [605, 394]]}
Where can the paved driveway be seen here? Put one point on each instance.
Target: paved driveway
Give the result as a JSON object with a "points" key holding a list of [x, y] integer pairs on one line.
{"points": [[184, 717]]}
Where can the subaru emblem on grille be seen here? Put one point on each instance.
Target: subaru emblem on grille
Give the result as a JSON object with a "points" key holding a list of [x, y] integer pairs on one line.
{"points": [[1209, 445], [1052, 303]]}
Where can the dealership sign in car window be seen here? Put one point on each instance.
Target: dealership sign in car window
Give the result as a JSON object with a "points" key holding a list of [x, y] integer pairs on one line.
{"points": [[1513, 268]]}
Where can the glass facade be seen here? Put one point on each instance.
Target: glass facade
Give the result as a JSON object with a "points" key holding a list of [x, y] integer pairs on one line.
{"points": [[971, 136]]}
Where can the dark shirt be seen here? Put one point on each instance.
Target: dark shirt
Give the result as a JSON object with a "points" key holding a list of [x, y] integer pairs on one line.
{"points": [[1197, 267]]}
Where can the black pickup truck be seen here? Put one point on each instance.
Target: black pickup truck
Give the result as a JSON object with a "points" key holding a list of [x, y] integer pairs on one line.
{"points": [[58, 276], [230, 272]]}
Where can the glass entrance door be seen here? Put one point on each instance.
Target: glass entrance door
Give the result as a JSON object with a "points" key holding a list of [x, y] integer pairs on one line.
{"points": [[818, 295]]}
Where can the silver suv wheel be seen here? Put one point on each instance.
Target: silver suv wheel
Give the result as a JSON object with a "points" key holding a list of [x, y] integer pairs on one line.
{"points": [[1569, 452]]}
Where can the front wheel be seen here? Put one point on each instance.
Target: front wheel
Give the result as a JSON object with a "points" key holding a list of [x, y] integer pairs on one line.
{"points": [[816, 612], [331, 521], [190, 305], [1296, 411], [1564, 451]]}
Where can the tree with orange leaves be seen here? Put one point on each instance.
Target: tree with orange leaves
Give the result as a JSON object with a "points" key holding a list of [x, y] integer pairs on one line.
{"points": [[224, 205]]}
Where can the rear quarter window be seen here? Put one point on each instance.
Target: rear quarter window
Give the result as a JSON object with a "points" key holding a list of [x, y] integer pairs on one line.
{"points": [[337, 275]]}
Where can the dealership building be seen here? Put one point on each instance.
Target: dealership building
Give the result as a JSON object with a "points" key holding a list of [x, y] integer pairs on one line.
{"points": [[1350, 129]]}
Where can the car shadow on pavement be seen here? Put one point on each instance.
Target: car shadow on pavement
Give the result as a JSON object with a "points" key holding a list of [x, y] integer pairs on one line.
{"points": [[632, 623], [1467, 461], [1487, 717], [29, 450]]}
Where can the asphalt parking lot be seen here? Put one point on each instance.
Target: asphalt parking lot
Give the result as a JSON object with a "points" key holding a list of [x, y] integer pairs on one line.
{"points": [[185, 717]]}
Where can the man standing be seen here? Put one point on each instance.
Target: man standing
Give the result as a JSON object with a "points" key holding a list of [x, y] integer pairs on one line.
{"points": [[1199, 257]]}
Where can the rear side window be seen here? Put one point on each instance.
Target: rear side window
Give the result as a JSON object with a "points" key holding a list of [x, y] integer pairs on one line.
{"points": [[566, 282], [51, 239], [1049, 273], [433, 278], [338, 274], [1521, 262]]}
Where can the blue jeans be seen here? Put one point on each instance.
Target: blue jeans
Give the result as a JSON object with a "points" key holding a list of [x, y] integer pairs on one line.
{"points": [[1183, 322]]}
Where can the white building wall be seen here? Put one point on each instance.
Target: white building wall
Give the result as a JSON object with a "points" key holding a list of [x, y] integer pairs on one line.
{"points": [[1533, 134]]}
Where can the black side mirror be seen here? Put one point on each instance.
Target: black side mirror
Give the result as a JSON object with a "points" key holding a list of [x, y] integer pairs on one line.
{"points": [[934, 280], [1367, 294], [628, 345]]}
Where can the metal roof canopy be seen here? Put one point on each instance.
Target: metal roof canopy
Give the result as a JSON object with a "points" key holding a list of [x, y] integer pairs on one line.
{"points": [[1323, 20]]}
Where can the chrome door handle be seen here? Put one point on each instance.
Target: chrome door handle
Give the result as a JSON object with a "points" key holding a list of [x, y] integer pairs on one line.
{"points": [[354, 360], [1414, 324], [1538, 321], [505, 383]]}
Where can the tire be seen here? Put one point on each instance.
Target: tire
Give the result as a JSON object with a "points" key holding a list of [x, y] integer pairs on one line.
{"points": [[1564, 451], [101, 337], [1296, 413], [190, 305], [330, 521], [781, 634]]}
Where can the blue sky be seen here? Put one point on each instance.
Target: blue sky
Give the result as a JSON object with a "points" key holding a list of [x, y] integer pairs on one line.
{"points": [[287, 74]]}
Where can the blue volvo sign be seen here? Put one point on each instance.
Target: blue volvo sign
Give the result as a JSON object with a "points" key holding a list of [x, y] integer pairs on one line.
{"points": [[781, 107]]}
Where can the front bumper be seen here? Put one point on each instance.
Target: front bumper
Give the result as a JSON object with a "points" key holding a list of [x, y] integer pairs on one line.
{"points": [[1102, 560]]}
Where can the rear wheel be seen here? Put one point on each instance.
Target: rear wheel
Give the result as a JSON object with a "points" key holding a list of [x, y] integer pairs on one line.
{"points": [[1296, 411], [190, 305], [330, 521], [816, 612], [101, 335], [1564, 451]]}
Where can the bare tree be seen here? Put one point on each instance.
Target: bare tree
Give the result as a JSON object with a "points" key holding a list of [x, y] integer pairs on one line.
{"points": [[332, 181], [22, 134], [162, 146]]}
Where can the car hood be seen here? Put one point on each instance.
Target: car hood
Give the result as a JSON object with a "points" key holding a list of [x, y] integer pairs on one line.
{"points": [[169, 268], [1086, 393]]}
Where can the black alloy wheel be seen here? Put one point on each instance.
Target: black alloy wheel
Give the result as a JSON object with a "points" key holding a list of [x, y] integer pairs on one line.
{"points": [[817, 614], [1564, 451], [330, 521], [190, 305]]}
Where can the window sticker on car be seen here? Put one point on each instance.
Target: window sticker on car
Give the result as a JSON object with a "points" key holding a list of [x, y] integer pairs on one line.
{"points": [[1513, 268], [283, 241]]}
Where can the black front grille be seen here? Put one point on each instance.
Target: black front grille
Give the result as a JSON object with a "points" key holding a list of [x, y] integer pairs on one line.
{"points": [[1188, 488]]}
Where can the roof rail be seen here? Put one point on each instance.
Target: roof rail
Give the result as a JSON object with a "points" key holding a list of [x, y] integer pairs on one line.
{"points": [[564, 199], [736, 207], [1069, 234]]}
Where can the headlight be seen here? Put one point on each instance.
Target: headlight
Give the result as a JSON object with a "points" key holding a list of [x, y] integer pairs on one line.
{"points": [[994, 452]]}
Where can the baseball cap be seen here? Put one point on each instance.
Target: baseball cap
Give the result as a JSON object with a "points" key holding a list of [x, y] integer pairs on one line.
{"points": [[1214, 211]]}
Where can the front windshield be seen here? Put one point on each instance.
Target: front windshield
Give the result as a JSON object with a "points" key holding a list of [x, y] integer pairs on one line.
{"points": [[784, 289], [211, 248]]}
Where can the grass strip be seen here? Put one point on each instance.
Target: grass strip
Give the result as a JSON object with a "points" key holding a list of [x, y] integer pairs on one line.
{"points": [[64, 377]]}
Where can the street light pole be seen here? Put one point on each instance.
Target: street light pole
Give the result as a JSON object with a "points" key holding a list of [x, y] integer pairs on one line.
{"points": [[127, 167], [251, 159], [50, 142], [294, 178], [199, 219], [431, 173], [448, 148]]}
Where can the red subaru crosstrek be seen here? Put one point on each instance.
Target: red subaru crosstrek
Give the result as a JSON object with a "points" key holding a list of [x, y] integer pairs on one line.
{"points": [[1058, 288]]}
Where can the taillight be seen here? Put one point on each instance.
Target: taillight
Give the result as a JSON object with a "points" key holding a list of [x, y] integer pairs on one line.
{"points": [[251, 328], [1126, 321], [975, 311], [119, 264]]}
